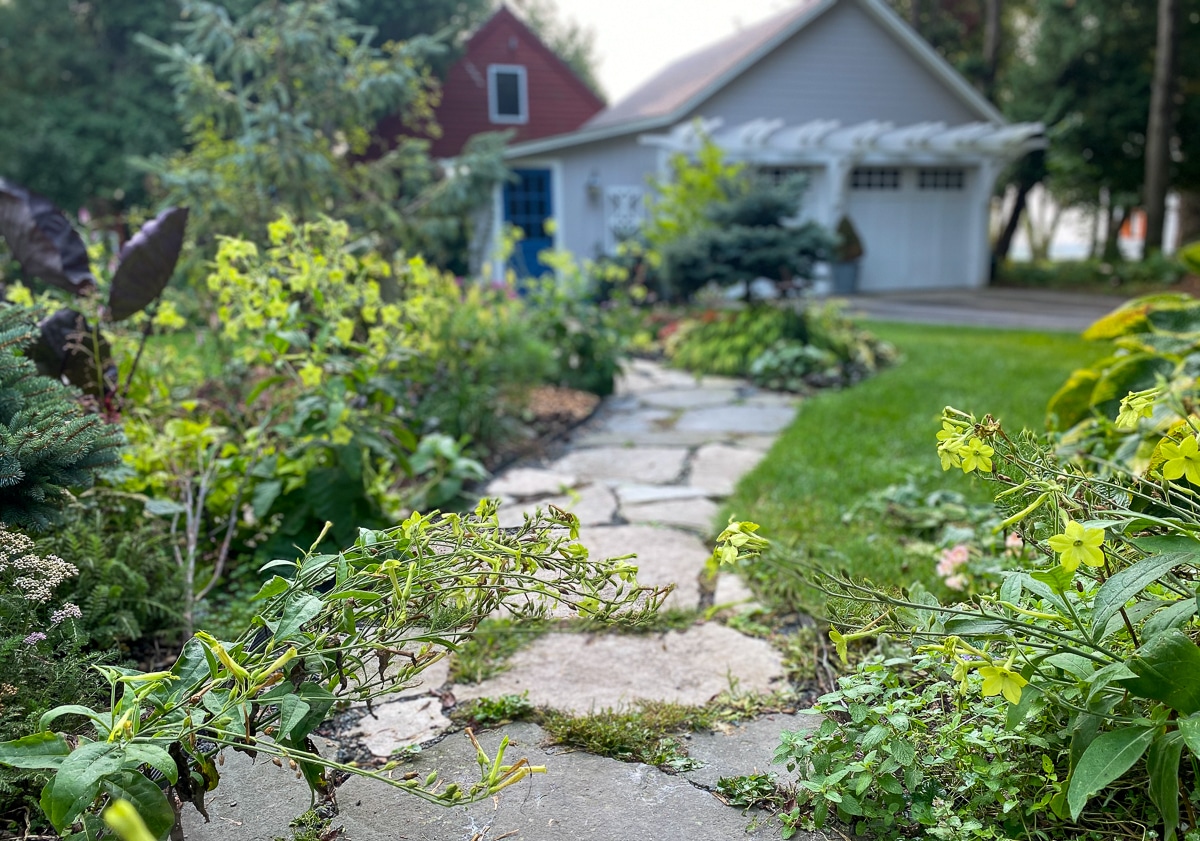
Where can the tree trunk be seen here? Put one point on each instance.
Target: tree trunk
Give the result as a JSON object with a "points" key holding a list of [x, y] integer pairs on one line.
{"points": [[1189, 217], [1159, 128], [991, 46], [1004, 241], [914, 16], [1117, 214]]}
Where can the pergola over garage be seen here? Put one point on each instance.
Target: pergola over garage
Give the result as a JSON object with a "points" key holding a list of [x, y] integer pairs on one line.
{"points": [[918, 195]]}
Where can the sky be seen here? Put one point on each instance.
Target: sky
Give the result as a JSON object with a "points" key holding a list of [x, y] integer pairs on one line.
{"points": [[634, 38]]}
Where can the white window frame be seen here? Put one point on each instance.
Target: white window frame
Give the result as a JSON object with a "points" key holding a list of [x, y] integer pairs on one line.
{"points": [[522, 94]]}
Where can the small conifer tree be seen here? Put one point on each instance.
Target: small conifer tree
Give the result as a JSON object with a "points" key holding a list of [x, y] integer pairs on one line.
{"points": [[48, 443]]}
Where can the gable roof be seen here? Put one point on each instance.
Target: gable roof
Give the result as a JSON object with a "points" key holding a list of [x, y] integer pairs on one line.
{"points": [[684, 85], [505, 15]]}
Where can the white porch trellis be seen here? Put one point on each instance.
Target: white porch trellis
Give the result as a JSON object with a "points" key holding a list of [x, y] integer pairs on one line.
{"points": [[833, 151]]}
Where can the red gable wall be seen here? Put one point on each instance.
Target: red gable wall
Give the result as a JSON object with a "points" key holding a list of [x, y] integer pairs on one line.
{"points": [[558, 101]]}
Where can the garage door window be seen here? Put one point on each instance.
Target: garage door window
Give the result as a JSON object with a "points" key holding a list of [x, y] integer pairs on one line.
{"points": [[941, 179], [875, 179]]}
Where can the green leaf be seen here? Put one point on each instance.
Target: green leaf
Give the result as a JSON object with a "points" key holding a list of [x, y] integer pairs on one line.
{"points": [[77, 782], [276, 585], [1127, 583], [143, 753], [292, 711], [1108, 757], [1168, 670], [1058, 578], [146, 797], [49, 716], [1163, 764], [1169, 617], [193, 668], [1189, 729], [1110, 673], [264, 497], [37, 751], [298, 611]]}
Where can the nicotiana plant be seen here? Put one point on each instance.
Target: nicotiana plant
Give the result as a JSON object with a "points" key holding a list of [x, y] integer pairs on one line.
{"points": [[355, 625], [1098, 633]]}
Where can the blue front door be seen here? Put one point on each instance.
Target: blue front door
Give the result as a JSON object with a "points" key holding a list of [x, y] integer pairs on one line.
{"points": [[527, 206]]}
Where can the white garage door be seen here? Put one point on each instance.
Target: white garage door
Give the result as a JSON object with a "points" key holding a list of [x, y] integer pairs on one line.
{"points": [[915, 226]]}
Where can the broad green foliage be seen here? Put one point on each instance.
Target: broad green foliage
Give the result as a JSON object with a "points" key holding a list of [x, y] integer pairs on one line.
{"points": [[1119, 408], [786, 347], [354, 625], [48, 444]]}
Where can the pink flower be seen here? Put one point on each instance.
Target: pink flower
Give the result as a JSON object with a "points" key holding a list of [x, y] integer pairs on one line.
{"points": [[952, 559], [34, 638], [956, 582], [1013, 544]]}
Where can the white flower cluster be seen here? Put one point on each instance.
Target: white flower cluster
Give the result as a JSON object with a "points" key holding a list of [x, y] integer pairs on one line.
{"points": [[38, 577], [67, 611]]}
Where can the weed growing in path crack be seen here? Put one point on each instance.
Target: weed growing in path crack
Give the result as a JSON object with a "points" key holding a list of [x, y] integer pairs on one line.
{"points": [[486, 653], [493, 712], [751, 790], [652, 733]]}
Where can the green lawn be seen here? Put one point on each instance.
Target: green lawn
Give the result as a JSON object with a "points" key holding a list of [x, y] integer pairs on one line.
{"points": [[846, 444]]}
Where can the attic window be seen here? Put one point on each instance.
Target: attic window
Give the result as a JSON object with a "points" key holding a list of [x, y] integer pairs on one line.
{"points": [[875, 179], [508, 98]]}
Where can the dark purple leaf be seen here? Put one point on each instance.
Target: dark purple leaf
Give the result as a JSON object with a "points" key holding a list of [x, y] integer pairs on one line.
{"points": [[68, 347], [42, 240], [147, 263]]}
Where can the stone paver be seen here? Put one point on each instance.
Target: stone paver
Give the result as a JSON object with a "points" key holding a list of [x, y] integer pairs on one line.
{"points": [[674, 437], [626, 464], [580, 797], [731, 590], [692, 398], [397, 724], [665, 556], [641, 420], [697, 514], [716, 468], [593, 504], [584, 672], [740, 419], [743, 749], [527, 482], [639, 494]]}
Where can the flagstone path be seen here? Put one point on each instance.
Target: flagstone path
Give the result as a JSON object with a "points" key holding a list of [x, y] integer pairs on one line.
{"points": [[645, 475]]}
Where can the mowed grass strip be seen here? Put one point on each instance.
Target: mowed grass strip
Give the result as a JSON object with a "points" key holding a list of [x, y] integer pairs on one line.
{"points": [[847, 444]]}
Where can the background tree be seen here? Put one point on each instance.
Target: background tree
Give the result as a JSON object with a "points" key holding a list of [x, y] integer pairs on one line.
{"points": [[279, 104], [79, 97]]}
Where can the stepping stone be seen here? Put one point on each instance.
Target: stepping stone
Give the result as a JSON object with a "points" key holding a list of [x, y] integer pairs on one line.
{"points": [[641, 420], [664, 556], [692, 398], [527, 482], [638, 494], [744, 749], [398, 724], [731, 591], [254, 800], [580, 797], [601, 437], [594, 505], [625, 464], [642, 375], [736, 419], [430, 679], [762, 443], [716, 468], [698, 514], [587, 672], [771, 400]]}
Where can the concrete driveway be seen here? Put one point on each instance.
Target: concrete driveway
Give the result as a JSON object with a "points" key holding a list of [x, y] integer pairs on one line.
{"points": [[1027, 309]]}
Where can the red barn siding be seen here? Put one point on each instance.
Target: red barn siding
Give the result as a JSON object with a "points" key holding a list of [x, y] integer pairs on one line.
{"points": [[558, 101]]}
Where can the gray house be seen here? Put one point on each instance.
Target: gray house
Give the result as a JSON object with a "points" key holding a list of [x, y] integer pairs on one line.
{"points": [[841, 90]]}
